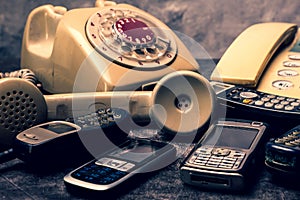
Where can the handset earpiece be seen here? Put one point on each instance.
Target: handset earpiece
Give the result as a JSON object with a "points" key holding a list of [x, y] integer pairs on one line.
{"points": [[22, 105], [188, 100]]}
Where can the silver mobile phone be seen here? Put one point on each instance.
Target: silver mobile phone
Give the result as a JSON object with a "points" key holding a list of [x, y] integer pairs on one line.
{"points": [[224, 157]]}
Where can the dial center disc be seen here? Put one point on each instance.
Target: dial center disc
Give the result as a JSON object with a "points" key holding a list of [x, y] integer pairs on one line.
{"points": [[134, 31]]}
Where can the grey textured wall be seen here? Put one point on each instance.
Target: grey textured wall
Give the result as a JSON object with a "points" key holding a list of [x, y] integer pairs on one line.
{"points": [[212, 23]]}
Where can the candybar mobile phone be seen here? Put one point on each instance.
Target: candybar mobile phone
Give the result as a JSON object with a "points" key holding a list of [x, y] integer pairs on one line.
{"points": [[50, 141], [282, 155], [113, 168], [225, 157], [61, 140]]}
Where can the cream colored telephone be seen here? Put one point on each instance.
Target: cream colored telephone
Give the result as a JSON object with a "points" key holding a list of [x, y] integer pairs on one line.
{"points": [[265, 57], [108, 47]]}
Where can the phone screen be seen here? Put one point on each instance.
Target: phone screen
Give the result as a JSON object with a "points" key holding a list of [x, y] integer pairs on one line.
{"points": [[58, 128], [136, 152], [231, 137]]}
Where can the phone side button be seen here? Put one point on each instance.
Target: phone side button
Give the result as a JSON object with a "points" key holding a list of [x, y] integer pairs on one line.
{"points": [[31, 136]]}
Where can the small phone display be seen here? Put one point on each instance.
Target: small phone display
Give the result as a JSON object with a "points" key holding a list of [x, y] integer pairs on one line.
{"points": [[59, 128], [231, 137], [223, 157], [118, 165], [283, 154]]}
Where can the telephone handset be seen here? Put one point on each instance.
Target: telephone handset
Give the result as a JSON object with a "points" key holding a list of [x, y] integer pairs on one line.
{"points": [[118, 46], [265, 57]]}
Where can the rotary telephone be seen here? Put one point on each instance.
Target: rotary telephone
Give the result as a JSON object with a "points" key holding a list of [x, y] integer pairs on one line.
{"points": [[108, 47]]}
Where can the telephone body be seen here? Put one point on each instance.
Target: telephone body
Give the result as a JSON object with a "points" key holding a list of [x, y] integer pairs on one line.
{"points": [[265, 57], [115, 46]]}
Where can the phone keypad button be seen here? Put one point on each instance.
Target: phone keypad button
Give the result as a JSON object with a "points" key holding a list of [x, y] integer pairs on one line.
{"points": [[275, 101], [268, 105], [288, 107], [279, 106], [259, 103], [279, 141], [248, 95], [294, 57], [127, 167], [289, 144], [295, 104], [247, 101], [296, 132], [265, 99], [291, 64], [271, 96], [284, 102]]}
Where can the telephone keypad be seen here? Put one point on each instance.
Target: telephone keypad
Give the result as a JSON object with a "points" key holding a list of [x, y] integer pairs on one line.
{"points": [[103, 117], [291, 139], [217, 157], [262, 100], [98, 174]]}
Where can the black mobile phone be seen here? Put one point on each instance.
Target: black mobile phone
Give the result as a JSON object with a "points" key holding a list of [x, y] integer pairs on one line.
{"points": [[136, 156], [225, 157], [282, 156], [62, 140]]}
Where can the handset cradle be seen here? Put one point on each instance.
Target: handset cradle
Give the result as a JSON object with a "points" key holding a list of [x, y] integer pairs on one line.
{"points": [[247, 57]]}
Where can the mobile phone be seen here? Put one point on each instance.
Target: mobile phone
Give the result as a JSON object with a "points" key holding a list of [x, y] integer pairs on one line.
{"points": [[282, 156], [117, 166], [225, 156], [61, 141], [47, 141]]}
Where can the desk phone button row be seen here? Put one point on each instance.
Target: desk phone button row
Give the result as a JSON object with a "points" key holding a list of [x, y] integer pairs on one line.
{"points": [[248, 96]]}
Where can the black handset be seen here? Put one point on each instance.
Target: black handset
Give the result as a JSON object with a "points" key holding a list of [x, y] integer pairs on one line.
{"points": [[283, 154], [113, 168], [225, 156]]}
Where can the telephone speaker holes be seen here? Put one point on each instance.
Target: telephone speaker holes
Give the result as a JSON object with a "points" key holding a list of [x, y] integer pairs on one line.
{"points": [[22, 105], [183, 103], [12, 106]]}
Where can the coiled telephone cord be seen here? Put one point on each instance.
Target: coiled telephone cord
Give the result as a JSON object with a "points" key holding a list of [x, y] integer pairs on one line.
{"points": [[26, 74]]}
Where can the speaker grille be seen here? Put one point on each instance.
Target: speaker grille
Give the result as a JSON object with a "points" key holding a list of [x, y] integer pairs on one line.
{"points": [[22, 105], [18, 111]]}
